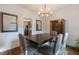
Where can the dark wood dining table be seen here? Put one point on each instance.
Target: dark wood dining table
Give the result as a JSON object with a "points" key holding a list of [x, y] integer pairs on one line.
{"points": [[39, 38]]}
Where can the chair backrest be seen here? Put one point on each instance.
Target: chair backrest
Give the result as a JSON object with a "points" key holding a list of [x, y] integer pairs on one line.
{"points": [[22, 43], [65, 40], [53, 33], [58, 43], [53, 37]]}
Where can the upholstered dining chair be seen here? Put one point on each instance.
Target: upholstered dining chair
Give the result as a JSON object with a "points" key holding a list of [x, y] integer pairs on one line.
{"points": [[55, 50], [64, 42], [53, 33], [58, 44], [22, 44], [50, 41], [31, 48]]}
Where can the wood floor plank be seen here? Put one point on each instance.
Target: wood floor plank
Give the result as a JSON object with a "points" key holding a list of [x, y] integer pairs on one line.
{"points": [[17, 51]]}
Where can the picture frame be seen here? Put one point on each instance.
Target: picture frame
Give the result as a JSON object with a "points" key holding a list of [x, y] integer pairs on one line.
{"points": [[38, 25], [9, 22]]}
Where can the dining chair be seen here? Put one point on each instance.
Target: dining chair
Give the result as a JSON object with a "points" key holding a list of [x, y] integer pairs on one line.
{"points": [[58, 45], [55, 50], [22, 44], [64, 42], [51, 40], [30, 47], [53, 33]]}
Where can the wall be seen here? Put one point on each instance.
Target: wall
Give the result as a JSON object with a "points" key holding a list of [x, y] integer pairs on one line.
{"points": [[36, 17], [71, 15], [46, 24], [9, 40]]}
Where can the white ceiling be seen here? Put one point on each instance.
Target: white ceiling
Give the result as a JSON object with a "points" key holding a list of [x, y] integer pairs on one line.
{"points": [[37, 7]]}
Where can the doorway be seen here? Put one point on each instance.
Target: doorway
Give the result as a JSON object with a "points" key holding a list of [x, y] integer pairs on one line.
{"points": [[27, 28]]}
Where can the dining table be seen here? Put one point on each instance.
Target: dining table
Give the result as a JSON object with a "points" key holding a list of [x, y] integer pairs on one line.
{"points": [[39, 38]]}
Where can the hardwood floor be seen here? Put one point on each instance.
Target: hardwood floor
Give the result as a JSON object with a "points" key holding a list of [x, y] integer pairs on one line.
{"points": [[72, 51], [14, 51], [17, 51]]}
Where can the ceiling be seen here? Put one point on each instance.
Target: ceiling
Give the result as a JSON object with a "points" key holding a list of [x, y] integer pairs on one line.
{"points": [[37, 7]]}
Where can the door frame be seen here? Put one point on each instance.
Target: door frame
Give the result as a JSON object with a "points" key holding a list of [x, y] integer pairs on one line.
{"points": [[28, 20]]}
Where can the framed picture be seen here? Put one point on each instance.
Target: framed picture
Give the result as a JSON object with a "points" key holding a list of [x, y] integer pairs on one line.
{"points": [[38, 25], [9, 22]]}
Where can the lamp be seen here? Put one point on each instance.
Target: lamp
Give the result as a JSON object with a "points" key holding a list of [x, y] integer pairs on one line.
{"points": [[45, 11]]}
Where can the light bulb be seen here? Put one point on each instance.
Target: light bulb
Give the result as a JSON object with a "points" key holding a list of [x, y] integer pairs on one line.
{"points": [[41, 9], [48, 9], [51, 12], [46, 14], [38, 12], [42, 15]]}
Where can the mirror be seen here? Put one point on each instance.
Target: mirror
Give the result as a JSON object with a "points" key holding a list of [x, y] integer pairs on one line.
{"points": [[9, 23], [38, 25]]}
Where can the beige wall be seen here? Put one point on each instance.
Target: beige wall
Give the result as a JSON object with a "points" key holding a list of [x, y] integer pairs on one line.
{"points": [[9, 40], [71, 15], [20, 12]]}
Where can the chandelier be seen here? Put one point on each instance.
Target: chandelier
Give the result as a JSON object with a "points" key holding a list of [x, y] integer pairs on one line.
{"points": [[45, 11]]}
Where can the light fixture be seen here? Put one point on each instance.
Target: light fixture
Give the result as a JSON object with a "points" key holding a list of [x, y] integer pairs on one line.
{"points": [[45, 11]]}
